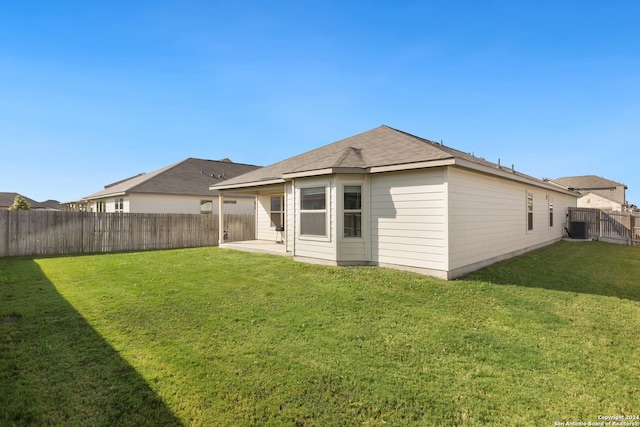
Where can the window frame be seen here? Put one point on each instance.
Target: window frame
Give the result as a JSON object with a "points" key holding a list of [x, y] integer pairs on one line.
{"points": [[119, 204], [551, 219], [205, 212], [530, 210], [351, 211], [280, 196], [326, 211]]}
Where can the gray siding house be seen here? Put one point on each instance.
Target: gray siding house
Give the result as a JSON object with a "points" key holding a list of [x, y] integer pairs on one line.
{"points": [[182, 187]]}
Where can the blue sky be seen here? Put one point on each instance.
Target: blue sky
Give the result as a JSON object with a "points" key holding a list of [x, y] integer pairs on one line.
{"points": [[94, 92]]}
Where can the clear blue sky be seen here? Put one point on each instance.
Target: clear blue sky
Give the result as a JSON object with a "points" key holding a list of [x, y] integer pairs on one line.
{"points": [[94, 92]]}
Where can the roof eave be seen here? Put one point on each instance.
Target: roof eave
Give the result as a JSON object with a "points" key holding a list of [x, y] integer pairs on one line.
{"points": [[325, 171], [514, 176], [247, 184], [409, 166], [105, 195]]}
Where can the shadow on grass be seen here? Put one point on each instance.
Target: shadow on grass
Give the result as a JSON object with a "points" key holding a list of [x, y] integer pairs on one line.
{"points": [[55, 369], [595, 268]]}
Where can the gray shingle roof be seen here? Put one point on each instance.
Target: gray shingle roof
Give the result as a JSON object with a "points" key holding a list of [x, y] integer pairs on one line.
{"points": [[188, 177], [6, 200], [587, 182], [382, 146]]}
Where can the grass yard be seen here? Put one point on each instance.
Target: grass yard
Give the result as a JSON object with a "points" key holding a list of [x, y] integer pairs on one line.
{"points": [[217, 337]]}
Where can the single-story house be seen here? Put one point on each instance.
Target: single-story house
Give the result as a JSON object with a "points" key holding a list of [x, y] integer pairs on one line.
{"points": [[595, 192], [182, 187], [386, 197]]}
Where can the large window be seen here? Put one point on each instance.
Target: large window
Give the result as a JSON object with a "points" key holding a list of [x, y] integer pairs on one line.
{"points": [[313, 211], [120, 205], [529, 211], [277, 211], [353, 211]]}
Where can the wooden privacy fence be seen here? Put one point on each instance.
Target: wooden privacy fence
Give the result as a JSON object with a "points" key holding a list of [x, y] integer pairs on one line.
{"points": [[609, 226], [53, 232]]}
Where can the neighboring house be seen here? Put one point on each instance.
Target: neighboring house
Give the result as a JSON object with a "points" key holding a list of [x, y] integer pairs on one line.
{"points": [[389, 198], [6, 200], [595, 192], [179, 188]]}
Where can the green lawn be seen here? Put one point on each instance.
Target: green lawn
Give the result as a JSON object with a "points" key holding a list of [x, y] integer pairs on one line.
{"points": [[217, 337]]}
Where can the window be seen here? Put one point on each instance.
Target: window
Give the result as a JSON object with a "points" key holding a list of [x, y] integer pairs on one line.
{"points": [[230, 202], [353, 211], [277, 211], [119, 204], [550, 211], [206, 206], [313, 211], [529, 211], [101, 206]]}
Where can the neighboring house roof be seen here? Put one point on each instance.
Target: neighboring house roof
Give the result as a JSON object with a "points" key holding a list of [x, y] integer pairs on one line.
{"points": [[377, 150], [587, 182], [189, 177], [7, 199]]}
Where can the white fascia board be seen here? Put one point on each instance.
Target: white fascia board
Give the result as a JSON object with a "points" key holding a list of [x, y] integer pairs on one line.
{"points": [[105, 196], [514, 176], [410, 166], [321, 172], [246, 184]]}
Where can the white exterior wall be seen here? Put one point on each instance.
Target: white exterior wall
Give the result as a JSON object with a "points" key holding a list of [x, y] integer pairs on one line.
{"points": [[290, 226], [408, 226], [311, 247], [596, 201], [488, 219], [150, 203]]}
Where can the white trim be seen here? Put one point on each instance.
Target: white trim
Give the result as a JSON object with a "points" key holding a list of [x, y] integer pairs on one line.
{"points": [[327, 211], [247, 184], [409, 166]]}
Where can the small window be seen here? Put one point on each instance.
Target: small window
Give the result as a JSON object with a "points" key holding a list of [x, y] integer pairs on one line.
{"points": [[277, 211], [529, 211], [313, 211], [101, 206], [206, 206], [550, 211], [119, 205], [230, 202], [353, 211]]}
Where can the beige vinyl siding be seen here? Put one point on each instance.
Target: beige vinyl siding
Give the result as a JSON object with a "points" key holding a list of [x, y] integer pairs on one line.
{"points": [[150, 203], [596, 201], [110, 204], [264, 230], [408, 219], [488, 217], [162, 203], [289, 224], [312, 247]]}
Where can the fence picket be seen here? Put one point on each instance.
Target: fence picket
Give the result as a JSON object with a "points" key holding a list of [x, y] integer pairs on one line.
{"points": [[609, 226], [55, 232]]}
